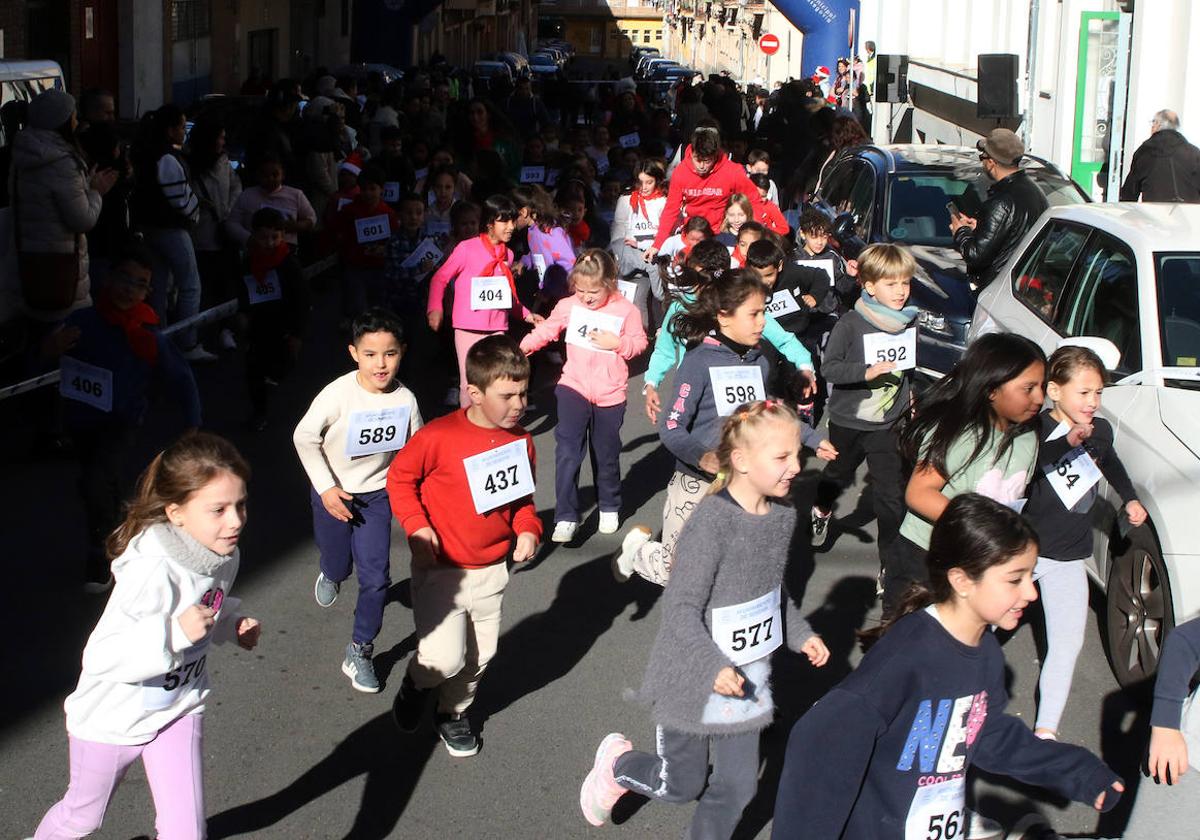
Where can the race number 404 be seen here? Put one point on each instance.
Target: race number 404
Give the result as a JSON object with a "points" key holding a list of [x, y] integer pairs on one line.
{"points": [[490, 293]]}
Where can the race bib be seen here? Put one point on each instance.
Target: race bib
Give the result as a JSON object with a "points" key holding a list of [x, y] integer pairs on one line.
{"points": [[824, 265], [163, 691], [583, 321], [378, 430], [783, 302], [539, 263], [938, 812], [551, 177], [421, 173], [533, 174], [372, 229], [736, 385], [267, 289], [342, 202], [747, 632], [627, 288], [884, 347], [1073, 475], [438, 227], [391, 191], [499, 476], [85, 383], [426, 250], [490, 293], [630, 141]]}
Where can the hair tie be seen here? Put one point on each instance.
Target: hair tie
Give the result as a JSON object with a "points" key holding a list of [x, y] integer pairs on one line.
{"points": [[721, 475]]}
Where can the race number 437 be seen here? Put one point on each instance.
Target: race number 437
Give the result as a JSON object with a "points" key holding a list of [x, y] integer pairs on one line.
{"points": [[885, 347], [490, 293], [86, 383], [499, 476], [735, 385]]}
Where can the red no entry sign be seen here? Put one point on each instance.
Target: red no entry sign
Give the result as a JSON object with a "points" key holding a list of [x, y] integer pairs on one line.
{"points": [[769, 43]]}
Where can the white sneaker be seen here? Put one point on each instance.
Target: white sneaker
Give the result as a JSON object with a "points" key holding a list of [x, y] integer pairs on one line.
{"points": [[199, 354], [610, 522], [226, 340], [622, 562], [980, 827], [564, 532]]}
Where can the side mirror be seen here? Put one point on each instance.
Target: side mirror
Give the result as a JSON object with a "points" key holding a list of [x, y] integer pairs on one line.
{"points": [[1102, 347], [843, 227]]}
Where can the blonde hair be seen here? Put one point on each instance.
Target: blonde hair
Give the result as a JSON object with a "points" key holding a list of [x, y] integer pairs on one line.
{"points": [[180, 470], [598, 264], [885, 260], [739, 431], [741, 201]]}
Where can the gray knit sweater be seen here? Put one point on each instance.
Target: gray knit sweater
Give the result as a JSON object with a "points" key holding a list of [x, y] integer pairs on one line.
{"points": [[725, 556]]}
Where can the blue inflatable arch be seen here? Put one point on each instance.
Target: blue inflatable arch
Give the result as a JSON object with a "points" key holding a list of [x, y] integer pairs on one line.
{"points": [[826, 28]]}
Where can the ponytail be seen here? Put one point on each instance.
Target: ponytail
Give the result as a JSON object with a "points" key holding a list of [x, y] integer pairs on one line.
{"points": [[739, 430]]}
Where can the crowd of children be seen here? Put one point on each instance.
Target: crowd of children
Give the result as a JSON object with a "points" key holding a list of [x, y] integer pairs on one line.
{"points": [[470, 272]]}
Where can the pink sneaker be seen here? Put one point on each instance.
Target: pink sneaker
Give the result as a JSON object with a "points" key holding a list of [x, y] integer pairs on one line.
{"points": [[600, 790]]}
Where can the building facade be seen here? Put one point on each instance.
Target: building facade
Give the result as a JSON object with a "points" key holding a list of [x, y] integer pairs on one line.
{"points": [[716, 36]]}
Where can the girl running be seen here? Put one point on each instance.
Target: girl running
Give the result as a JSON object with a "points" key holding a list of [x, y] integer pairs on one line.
{"points": [[603, 332], [1075, 452], [144, 683], [722, 370], [886, 753], [484, 291], [708, 678], [551, 253], [738, 211], [972, 432]]}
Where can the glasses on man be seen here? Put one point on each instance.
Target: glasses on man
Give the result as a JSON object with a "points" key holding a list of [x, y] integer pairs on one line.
{"points": [[983, 157]]}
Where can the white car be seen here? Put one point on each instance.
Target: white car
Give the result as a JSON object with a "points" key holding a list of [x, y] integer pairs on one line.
{"points": [[1129, 275]]}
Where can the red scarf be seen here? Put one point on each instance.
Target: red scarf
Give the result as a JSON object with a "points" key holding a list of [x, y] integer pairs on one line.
{"points": [[579, 233], [499, 255], [134, 321], [738, 257], [262, 262], [637, 202]]}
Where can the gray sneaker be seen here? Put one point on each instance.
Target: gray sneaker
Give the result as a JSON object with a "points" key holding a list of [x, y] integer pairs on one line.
{"points": [[359, 667], [326, 590], [455, 732]]}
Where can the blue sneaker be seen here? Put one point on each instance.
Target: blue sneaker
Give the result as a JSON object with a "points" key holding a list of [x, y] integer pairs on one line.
{"points": [[326, 590]]}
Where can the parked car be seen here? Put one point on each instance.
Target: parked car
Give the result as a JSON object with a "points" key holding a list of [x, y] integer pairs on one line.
{"points": [[646, 67], [361, 72], [899, 193], [543, 64], [1128, 276], [516, 62], [637, 52], [486, 74]]}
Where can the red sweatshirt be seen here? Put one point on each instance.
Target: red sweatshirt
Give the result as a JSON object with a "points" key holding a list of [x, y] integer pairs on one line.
{"points": [[696, 196], [427, 487], [772, 218], [363, 233]]}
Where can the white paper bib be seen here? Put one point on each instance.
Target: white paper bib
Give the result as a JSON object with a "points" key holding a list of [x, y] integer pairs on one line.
{"points": [[749, 631], [884, 347], [499, 476], [266, 290], [161, 692], [86, 383], [938, 812], [1073, 475], [735, 385], [782, 302], [583, 321], [372, 229], [490, 293], [391, 191], [380, 430], [628, 289]]}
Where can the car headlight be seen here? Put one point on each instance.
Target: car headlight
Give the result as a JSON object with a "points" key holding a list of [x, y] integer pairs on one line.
{"points": [[933, 322]]}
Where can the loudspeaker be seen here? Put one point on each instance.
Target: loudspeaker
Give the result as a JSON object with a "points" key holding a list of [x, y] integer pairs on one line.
{"points": [[891, 78], [997, 77]]}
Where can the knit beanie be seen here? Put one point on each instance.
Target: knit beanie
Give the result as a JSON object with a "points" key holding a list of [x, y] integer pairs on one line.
{"points": [[51, 109]]}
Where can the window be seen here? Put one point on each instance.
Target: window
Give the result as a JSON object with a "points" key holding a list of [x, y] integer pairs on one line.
{"points": [[1179, 308], [1103, 301], [658, 35], [850, 188], [189, 19], [1039, 280]]}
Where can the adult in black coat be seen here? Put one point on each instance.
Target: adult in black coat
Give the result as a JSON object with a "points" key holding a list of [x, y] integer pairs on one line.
{"points": [[1166, 167]]}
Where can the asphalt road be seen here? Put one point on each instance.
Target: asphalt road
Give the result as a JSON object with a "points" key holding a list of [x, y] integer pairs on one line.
{"points": [[291, 751]]}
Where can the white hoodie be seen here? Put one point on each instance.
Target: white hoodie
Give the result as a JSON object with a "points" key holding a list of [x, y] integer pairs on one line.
{"points": [[140, 672]]}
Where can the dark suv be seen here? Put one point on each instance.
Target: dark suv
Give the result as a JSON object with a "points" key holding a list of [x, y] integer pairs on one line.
{"points": [[899, 194]]}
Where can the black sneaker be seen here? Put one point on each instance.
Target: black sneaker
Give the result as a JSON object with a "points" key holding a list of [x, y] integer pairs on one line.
{"points": [[455, 732], [409, 706]]}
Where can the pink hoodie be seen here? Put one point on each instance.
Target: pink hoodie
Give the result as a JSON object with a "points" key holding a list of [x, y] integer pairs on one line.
{"points": [[470, 258], [600, 378]]}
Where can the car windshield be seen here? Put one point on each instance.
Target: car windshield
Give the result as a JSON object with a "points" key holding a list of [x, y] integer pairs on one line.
{"points": [[540, 59], [1179, 308], [917, 212]]}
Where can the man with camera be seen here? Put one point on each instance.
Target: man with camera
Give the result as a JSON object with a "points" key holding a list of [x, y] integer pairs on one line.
{"points": [[1013, 204]]}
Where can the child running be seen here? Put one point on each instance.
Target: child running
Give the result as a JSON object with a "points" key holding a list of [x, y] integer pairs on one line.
{"points": [[603, 332], [723, 369], [345, 441], [886, 753], [551, 254], [1075, 452], [463, 491], [973, 432], [144, 684], [868, 361], [484, 290], [708, 680]]}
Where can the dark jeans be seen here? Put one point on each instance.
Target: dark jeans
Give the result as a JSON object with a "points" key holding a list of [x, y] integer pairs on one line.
{"points": [[364, 543], [881, 451], [903, 565], [581, 423], [679, 773], [101, 451]]}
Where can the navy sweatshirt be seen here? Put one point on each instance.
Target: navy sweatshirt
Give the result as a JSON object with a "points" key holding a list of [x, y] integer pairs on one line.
{"points": [[1067, 534], [1176, 669], [885, 754]]}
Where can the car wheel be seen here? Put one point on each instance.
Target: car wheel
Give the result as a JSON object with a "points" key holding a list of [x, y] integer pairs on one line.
{"points": [[1139, 611]]}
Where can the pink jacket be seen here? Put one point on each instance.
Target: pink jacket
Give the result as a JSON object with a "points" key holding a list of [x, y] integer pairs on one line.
{"points": [[470, 259], [554, 246], [600, 378]]}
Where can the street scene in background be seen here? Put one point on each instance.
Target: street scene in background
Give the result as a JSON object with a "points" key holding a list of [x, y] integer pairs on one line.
{"points": [[722, 419]]}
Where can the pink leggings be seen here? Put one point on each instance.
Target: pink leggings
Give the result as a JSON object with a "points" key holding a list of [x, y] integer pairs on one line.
{"points": [[464, 340], [172, 762]]}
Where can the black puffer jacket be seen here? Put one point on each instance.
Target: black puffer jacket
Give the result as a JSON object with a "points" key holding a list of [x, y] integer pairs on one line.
{"points": [[1165, 168], [1013, 205]]}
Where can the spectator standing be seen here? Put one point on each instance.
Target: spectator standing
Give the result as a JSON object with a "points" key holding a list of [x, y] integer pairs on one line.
{"points": [[217, 187], [1166, 167]]}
